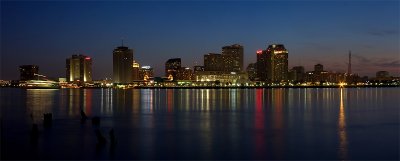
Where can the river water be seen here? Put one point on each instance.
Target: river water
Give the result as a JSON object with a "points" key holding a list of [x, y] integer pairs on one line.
{"points": [[292, 123]]}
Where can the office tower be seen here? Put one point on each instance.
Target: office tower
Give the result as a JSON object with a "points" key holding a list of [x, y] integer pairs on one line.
{"points": [[297, 74], [232, 58], [122, 64], [28, 72], [252, 71], [79, 69], [135, 70], [213, 62], [263, 64], [145, 73], [318, 68], [172, 67], [279, 63]]}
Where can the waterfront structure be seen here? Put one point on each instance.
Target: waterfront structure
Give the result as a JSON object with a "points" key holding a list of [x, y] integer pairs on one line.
{"points": [[278, 70], [252, 71], [263, 65], [135, 70], [172, 67], [122, 65], [79, 69], [213, 62], [145, 73], [222, 77], [232, 58], [28, 72]]}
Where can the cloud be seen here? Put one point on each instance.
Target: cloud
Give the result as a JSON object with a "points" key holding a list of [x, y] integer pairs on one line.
{"points": [[364, 64], [395, 63], [386, 32], [361, 58]]}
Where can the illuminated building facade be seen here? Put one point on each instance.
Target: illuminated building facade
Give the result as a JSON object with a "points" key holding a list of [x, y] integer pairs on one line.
{"points": [[28, 72], [135, 70], [172, 67], [185, 73], [222, 77], [232, 58], [213, 62], [79, 69], [145, 73], [278, 71], [198, 68], [122, 64]]}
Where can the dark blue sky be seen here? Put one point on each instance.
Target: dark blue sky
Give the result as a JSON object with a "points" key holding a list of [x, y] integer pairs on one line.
{"points": [[46, 33]]}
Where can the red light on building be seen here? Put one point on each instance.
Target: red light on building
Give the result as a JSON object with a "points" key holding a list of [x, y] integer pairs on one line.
{"points": [[87, 58], [259, 51]]}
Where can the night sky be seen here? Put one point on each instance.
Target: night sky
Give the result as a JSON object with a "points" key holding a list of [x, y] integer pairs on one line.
{"points": [[46, 33]]}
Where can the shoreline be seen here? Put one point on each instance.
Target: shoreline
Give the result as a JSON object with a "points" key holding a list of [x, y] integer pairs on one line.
{"points": [[220, 87]]}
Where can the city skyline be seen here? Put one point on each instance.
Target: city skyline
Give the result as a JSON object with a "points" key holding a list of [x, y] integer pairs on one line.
{"points": [[185, 30]]}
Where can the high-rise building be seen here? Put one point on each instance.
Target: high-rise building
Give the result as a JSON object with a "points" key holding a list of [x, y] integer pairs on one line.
{"points": [[318, 68], [297, 74], [172, 67], [263, 65], [135, 70], [232, 58], [279, 63], [28, 72], [213, 62], [252, 71], [145, 72], [122, 64], [79, 69]]}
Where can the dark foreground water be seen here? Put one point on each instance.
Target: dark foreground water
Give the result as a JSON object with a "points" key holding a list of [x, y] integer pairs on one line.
{"points": [[330, 123]]}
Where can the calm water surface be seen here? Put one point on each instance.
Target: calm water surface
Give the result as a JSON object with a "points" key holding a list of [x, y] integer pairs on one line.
{"points": [[329, 123]]}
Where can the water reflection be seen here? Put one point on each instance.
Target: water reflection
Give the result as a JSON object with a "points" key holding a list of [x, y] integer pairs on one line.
{"points": [[234, 124], [39, 101], [106, 106], [259, 123], [147, 100], [342, 129]]}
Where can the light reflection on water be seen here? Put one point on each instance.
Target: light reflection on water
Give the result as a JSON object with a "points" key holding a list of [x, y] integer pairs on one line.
{"points": [[342, 129], [327, 123]]}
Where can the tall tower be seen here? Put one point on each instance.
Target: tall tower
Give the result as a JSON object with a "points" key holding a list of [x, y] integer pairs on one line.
{"points": [[79, 69], [262, 65], [349, 68], [122, 64], [135, 70], [172, 67], [232, 58], [278, 69]]}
